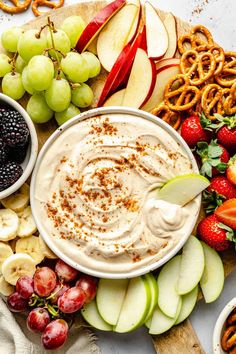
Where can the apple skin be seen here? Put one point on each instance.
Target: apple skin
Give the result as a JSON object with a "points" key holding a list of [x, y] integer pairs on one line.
{"points": [[115, 99], [166, 62], [97, 23], [153, 83]]}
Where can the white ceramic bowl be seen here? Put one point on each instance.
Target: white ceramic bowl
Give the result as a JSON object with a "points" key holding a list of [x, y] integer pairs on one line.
{"points": [[31, 155], [220, 326], [75, 120]]}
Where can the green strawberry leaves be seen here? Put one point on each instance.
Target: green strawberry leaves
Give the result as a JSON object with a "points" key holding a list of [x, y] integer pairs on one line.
{"points": [[205, 122], [210, 155], [229, 121], [230, 233], [211, 201]]}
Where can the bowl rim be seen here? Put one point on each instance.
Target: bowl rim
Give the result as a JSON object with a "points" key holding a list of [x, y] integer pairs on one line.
{"points": [[216, 339], [33, 147], [101, 111]]}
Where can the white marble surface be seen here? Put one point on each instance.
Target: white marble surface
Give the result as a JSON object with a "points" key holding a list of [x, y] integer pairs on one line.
{"points": [[219, 17]]}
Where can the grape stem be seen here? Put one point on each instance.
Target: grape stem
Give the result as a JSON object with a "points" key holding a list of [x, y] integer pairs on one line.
{"points": [[54, 293], [52, 29], [52, 310], [12, 61]]}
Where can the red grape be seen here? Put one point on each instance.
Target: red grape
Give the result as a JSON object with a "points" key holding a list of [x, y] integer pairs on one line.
{"points": [[65, 272], [89, 286], [38, 319], [25, 286], [72, 300], [55, 334], [44, 281], [59, 291], [16, 303]]}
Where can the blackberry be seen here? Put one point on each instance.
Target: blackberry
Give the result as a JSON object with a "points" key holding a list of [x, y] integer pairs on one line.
{"points": [[9, 174], [18, 154], [13, 128], [3, 152]]}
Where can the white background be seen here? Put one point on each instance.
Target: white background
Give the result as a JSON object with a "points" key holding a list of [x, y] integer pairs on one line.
{"points": [[219, 17]]}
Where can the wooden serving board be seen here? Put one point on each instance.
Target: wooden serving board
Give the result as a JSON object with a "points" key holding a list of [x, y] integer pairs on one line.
{"points": [[180, 339]]}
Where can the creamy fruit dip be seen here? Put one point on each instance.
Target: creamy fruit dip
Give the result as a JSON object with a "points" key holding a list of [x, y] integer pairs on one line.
{"points": [[96, 193]]}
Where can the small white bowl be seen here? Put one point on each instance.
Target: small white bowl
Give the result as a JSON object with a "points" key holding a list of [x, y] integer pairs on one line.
{"points": [[220, 326], [32, 152]]}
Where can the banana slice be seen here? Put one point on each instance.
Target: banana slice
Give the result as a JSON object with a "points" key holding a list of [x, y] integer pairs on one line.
{"points": [[9, 223], [19, 200], [31, 246], [17, 266], [6, 289], [5, 252], [27, 225], [45, 249]]}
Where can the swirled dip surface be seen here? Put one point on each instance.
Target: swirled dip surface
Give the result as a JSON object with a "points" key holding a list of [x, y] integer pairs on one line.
{"points": [[96, 193]]}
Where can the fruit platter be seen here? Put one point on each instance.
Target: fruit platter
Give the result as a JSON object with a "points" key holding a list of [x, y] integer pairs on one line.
{"points": [[117, 172]]}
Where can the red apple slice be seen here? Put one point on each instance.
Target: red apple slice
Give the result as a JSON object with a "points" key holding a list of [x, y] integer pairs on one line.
{"points": [[157, 36], [170, 25], [119, 31], [115, 99], [162, 78], [97, 23], [141, 81], [164, 63]]}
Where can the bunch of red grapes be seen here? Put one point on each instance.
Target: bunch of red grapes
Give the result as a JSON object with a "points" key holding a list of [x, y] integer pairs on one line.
{"points": [[53, 295]]}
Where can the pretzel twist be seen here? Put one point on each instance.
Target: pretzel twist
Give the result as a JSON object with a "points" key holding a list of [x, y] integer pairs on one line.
{"points": [[218, 54], [228, 339], [170, 117], [197, 40], [212, 101], [17, 8], [230, 101], [228, 75], [198, 67], [52, 5]]}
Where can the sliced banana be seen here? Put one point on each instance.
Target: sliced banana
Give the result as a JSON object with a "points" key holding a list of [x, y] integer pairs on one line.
{"points": [[9, 223], [5, 252], [17, 266], [45, 249], [6, 289], [27, 225], [19, 200], [31, 246]]}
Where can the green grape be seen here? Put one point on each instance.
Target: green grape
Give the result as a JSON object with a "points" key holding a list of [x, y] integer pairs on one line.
{"points": [[58, 95], [82, 96], [61, 42], [20, 64], [30, 45], [75, 67], [12, 86], [26, 83], [73, 26], [93, 63], [38, 109], [5, 65], [10, 38], [64, 116], [40, 72]]}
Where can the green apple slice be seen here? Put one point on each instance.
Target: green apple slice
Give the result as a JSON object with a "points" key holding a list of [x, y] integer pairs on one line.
{"points": [[212, 281], [148, 322], [110, 297], [135, 306], [191, 267], [91, 315], [188, 303], [154, 293], [162, 323], [182, 189], [168, 298]]}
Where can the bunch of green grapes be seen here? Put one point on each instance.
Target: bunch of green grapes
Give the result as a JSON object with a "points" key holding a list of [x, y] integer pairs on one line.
{"points": [[45, 65]]}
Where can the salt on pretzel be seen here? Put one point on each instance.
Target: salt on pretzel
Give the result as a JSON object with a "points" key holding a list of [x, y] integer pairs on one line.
{"points": [[52, 5], [170, 117], [218, 54], [199, 67], [197, 40], [176, 92], [17, 8], [230, 101], [182, 41], [228, 75], [212, 101]]}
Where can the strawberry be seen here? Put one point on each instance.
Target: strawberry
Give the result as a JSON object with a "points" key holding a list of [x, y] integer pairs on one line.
{"points": [[192, 130], [214, 158], [226, 213], [231, 170], [226, 134], [219, 190], [214, 233]]}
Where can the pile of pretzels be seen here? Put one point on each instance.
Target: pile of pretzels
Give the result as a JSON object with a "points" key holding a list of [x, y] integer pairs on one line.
{"points": [[206, 84], [228, 340], [19, 6]]}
